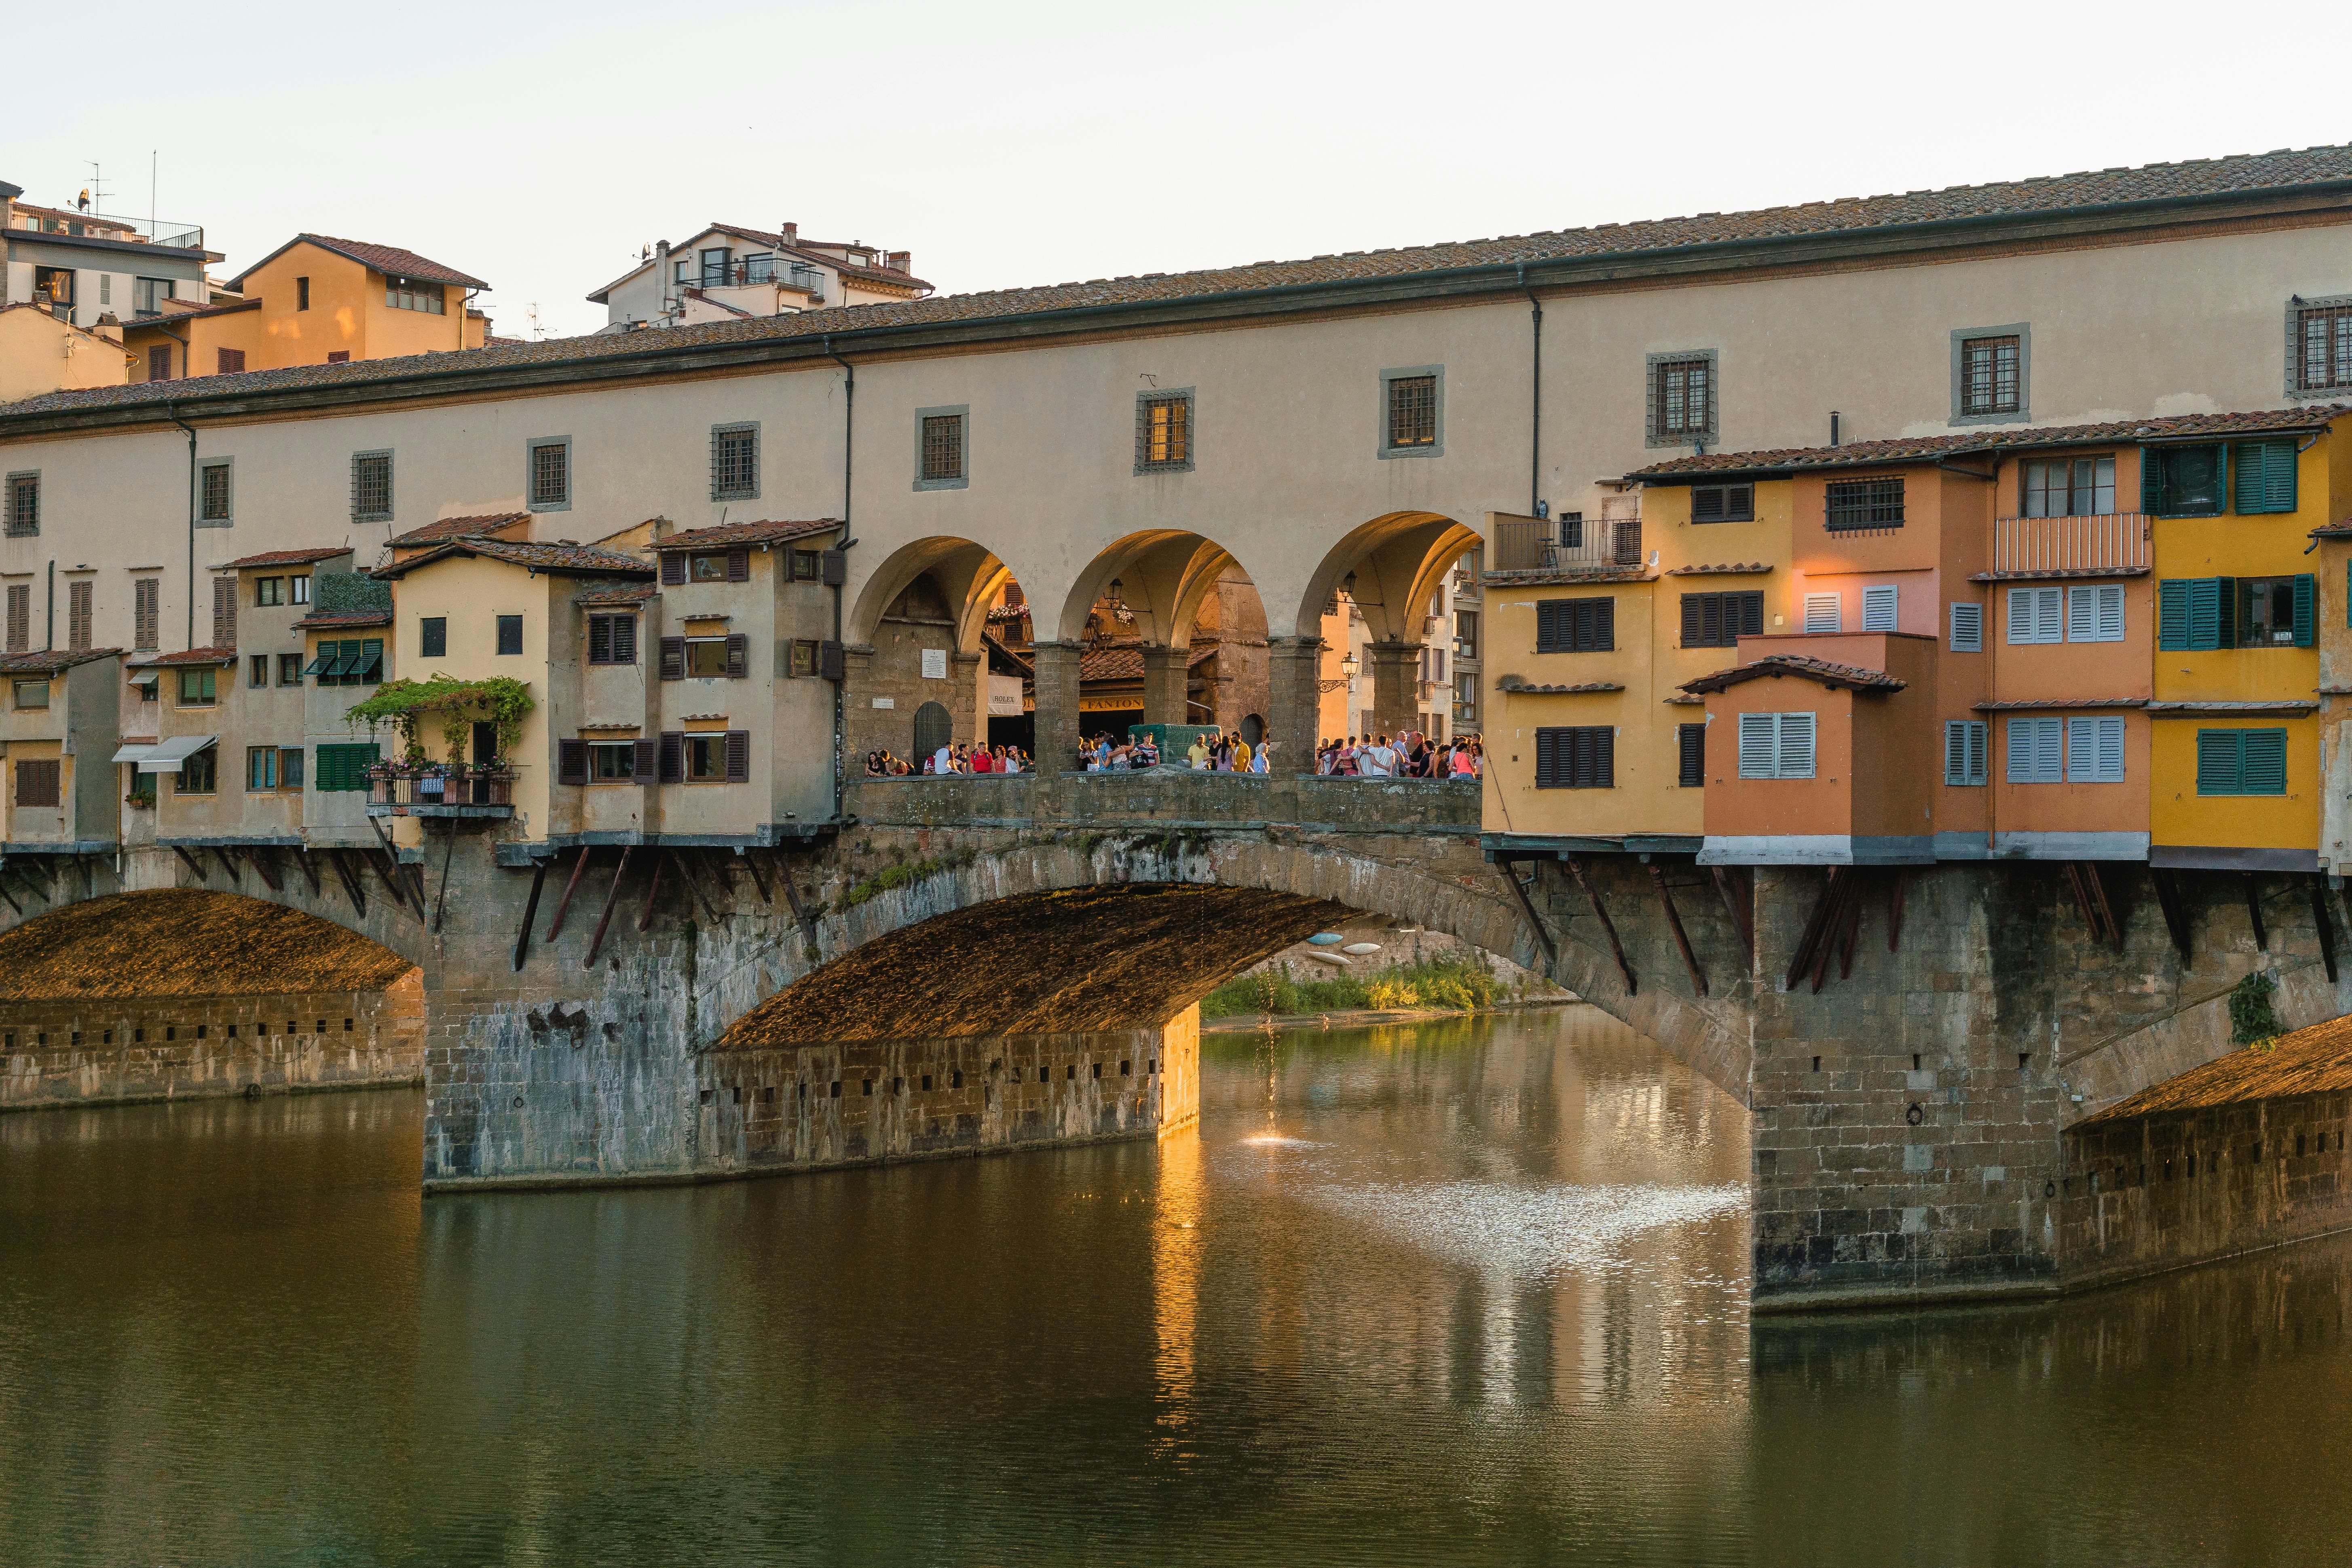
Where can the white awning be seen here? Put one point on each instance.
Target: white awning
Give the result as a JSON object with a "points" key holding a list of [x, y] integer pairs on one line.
{"points": [[167, 757], [136, 753]]}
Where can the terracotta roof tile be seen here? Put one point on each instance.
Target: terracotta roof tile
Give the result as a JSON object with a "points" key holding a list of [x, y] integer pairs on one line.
{"points": [[567, 558], [460, 528], [616, 593], [389, 259], [1848, 675], [49, 661], [1513, 683], [2317, 1060], [196, 655], [286, 557], [346, 618], [746, 533], [1125, 662], [2056, 195]]}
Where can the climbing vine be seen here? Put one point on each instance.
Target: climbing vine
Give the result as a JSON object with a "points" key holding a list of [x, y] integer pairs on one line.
{"points": [[499, 700], [2252, 1021]]}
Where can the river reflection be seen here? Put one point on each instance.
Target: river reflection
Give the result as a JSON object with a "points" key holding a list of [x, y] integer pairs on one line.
{"points": [[1465, 1292]]}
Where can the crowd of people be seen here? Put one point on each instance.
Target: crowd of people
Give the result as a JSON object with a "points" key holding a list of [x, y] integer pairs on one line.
{"points": [[1409, 755]]}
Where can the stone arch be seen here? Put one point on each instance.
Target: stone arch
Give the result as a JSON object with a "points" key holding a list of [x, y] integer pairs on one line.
{"points": [[1160, 592], [967, 576], [1397, 561]]}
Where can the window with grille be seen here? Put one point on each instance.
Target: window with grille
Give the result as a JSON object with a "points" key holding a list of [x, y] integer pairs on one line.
{"points": [[1682, 400], [1722, 503], [231, 362], [2069, 487], [2324, 337], [1964, 752], [1163, 432], [78, 617], [1690, 741], [1576, 625], [735, 462], [2242, 762], [20, 618], [372, 487], [612, 639], [1721, 620], [2094, 750], [942, 448], [213, 493], [1578, 756], [1968, 627], [1412, 411], [24, 505], [550, 474], [1991, 380], [1776, 745], [146, 598], [1851, 504]]}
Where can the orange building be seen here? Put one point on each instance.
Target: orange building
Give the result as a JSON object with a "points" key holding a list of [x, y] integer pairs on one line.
{"points": [[314, 300]]}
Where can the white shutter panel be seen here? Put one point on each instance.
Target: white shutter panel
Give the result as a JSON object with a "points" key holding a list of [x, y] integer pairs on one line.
{"points": [[1968, 628], [2082, 764], [2111, 748], [2049, 611], [1757, 745], [1822, 613], [2021, 615], [2082, 615], [1796, 745], [2021, 750], [1977, 744], [1878, 607], [2050, 735], [2111, 613]]}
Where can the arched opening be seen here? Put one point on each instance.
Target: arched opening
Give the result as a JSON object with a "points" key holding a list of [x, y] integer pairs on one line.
{"points": [[933, 729], [1398, 606], [184, 992], [936, 627]]}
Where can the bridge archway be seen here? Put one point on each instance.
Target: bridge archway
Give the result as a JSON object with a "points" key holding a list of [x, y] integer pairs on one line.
{"points": [[1174, 631]]}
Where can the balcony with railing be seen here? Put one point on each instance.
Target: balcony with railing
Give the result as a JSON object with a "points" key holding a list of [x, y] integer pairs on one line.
{"points": [[795, 275], [437, 789], [1569, 544], [2109, 542]]}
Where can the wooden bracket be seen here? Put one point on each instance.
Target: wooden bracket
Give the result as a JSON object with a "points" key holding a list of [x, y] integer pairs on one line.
{"points": [[1895, 910], [8, 899], [1738, 895], [691, 871], [653, 886], [1616, 948], [563, 903], [1675, 924], [192, 863], [793, 896], [2254, 913], [529, 911], [2176, 914], [2325, 928], [340, 860], [1801, 962], [448, 853], [759, 880], [402, 892], [228, 865], [261, 866], [596, 942], [1527, 912]]}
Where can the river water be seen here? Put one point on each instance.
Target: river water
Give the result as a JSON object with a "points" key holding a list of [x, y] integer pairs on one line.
{"points": [[1465, 1292]]}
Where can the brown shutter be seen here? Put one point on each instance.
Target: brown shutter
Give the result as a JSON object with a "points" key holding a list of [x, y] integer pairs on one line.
{"points": [[649, 761], [739, 564], [829, 660], [624, 640], [1692, 738], [145, 616], [1691, 623], [77, 616], [37, 783], [673, 755], [739, 756], [673, 568], [223, 612], [159, 363], [673, 659], [836, 568], [738, 656], [232, 360], [572, 761]]}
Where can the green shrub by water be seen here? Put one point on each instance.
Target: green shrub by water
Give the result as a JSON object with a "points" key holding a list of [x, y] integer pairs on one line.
{"points": [[1455, 985]]}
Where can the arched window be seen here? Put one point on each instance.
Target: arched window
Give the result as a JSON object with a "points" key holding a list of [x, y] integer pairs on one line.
{"points": [[1252, 729], [933, 729]]}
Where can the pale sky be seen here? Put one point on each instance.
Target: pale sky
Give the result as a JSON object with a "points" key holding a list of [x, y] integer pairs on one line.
{"points": [[538, 145]]}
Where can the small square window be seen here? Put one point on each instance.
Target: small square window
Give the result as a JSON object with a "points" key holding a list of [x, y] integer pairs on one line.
{"points": [[298, 590], [2320, 348], [1682, 399], [735, 462], [1163, 432], [214, 492], [709, 566], [510, 634], [612, 761], [257, 673], [23, 506], [803, 658], [1412, 411], [706, 658], [1722, 503], [1990, 371], [198, 687], [1855, 505], [808, 565], [433, 636], [940, 448], [371, 487], [289, 670], [550, 475]]}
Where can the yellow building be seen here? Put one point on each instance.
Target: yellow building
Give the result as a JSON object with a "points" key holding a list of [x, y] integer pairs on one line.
{"points": [[315, 301], [41, 351]]}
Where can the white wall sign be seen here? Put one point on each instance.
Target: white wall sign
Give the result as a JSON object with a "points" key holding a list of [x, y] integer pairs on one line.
{"points": [[885, 702], [935, 664]]}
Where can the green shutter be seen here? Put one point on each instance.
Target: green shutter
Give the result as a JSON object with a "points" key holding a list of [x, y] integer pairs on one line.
{"points": [[2210, 607], [2306, 609], [2265, 477], [2225, 595], [2173, 612], [343, 767], [2217, 762], [2151, 481], [2262, 761]]}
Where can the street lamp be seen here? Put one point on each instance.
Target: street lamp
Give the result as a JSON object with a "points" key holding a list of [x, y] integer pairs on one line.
{"points": [[1347, 664]]}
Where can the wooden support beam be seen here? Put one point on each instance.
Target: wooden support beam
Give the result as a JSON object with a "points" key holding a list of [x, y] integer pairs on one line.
{"points": [[1895, 909], [2176, 913], [2326, 927], [15, 868], [448, 853], [579, 864], [260, 867], [1616, 948], [1801, 962], [192, 863], [752, 864], [1852, 931], [1675, 924], [228, 865], [310, 872], [2254, 913], [792, 897], [341, 860], [653, 886], [10, 900], [691, 871], [529, 912], [1737, 904], [402, 892], [1527, 912], [2096, 885], [596, 942]]}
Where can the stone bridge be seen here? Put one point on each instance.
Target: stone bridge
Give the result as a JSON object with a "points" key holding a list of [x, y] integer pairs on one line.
{"points": [[977, 964]]}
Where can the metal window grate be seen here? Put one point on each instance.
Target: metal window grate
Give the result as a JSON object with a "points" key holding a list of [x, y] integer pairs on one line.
{"points": [[2326, 361], [216, 498], [371, 487], [1988, 378], [734, 462], [1163, 432], [1685, 398], [1855, 504], [24, 505], [550, 474], [942, 446], [1412, 411]]}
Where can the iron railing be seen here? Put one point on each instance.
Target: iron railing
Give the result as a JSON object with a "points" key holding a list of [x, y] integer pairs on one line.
{"points": [[1566, 544], [2116, 541], [764, 269], [401, 787]]}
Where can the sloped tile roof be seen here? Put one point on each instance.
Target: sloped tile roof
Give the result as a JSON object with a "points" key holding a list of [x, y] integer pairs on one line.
{"points": [[389, 259], [1519, 687], [197, 656], [460, 528], [616, 593], [1125, 662], [49, 661], [1931, 448], [1829, 673], [2278, 173], [566, 558], [342, 619], [286, 557], [746, 533], [2317, 1060]]}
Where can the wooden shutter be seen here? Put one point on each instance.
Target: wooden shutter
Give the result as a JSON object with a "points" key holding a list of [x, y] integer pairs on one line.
{"points": [[673, 568], [1759, 745], [1555, 620], [159, 363], [1955, 751], [649, 761], [1795, 746], [78, 615], [1748, 621], [831, 662], [1548, 748], [2212, 612], [739, 756], [2262, 755], [36, 782], [2217, 762], [673, 659], [624, 640], [223, 612], [672, 756], [232, 360], [2265, 479], [145, 618], [1605, 625], [2174, 613], [572, 761], [739, 564], [1692, 738], [2151, 481], [600, 639], [738, 656], [2306, 605], [1968, 627], [836, 568], [1695, 618]]}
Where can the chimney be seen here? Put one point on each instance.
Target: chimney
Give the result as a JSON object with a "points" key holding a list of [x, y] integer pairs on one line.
{"points": [[899, 260], [661, 248], [791, 233]]}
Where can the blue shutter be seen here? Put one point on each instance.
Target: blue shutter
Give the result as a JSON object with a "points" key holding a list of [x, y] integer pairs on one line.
{"points": [[2217, 762], [2172, 610], [2306, 609], [2262, 761], [2204, 612]]}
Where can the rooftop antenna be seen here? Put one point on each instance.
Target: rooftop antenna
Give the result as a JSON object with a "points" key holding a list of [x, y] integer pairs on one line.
{"points": [[536, 330], [152, 164], [94, 199]]}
